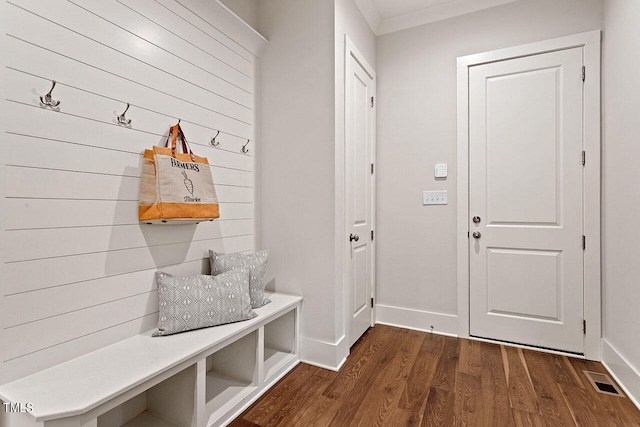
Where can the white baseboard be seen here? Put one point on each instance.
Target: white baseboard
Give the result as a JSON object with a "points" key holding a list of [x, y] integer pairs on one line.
{"points": [[444, 324], [622, 371], [324, 354]]}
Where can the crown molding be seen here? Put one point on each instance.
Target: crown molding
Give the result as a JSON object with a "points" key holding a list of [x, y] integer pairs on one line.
{"points": [[436, 12]]}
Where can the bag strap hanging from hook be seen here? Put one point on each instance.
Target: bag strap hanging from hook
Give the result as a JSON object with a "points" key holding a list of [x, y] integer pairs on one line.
{"points": [[175, 132]]}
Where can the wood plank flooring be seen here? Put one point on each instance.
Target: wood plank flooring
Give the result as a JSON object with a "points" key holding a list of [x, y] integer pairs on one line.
{"points": [[399, 377]]}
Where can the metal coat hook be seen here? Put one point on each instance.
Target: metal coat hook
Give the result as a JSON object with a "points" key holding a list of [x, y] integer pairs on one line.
{"points": [[47, 100], [245, 150], [213, 140], [122, 119]]}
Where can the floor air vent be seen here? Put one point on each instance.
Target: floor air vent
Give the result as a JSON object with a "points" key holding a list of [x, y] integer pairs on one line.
{"points": [[603, 383]]}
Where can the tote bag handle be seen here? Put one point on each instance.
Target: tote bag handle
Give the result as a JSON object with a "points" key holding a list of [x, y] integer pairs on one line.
{"points": [[174, 132]]}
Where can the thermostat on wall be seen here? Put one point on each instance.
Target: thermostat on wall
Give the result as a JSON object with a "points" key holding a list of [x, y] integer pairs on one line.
{"points": [[441, 170]]}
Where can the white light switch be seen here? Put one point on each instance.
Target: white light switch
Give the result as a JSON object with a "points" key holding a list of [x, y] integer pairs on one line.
{"points": [[434, 197], [441, 170]]}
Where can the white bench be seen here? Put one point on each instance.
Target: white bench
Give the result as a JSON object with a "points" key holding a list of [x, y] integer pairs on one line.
{"points": [[194, 379]]}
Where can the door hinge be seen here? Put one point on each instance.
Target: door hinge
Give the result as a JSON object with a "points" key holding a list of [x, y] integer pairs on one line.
{"points": [[371, 302], [584, 72], [371, 235], [372, 102], [371, 168], [584, 242], [584, 326], [584, 158]]}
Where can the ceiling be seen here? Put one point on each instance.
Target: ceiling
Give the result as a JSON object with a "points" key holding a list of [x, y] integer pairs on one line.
{"points": [[387, 16]]}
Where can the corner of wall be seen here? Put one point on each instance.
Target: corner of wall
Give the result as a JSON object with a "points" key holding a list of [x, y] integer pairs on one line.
{"points": [[625, 374], [324, 354], [620, 292], [247, 10]]}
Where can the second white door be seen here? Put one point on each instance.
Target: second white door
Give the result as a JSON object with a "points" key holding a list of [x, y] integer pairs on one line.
{"points": [[359, 146]]}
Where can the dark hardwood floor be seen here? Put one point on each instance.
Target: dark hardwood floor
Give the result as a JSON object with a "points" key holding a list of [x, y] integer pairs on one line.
{"points": [[399, 377]]}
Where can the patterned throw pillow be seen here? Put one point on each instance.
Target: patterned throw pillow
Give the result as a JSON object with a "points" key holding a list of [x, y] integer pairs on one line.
{"points": [[257, 263], [194, 302]]}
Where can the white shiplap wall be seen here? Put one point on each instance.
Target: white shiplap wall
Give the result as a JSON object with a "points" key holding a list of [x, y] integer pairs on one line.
{"points": [[78, 269]]}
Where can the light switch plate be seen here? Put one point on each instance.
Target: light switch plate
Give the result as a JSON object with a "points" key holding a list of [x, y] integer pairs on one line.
{"points": [[441, 170], [438, 197]]}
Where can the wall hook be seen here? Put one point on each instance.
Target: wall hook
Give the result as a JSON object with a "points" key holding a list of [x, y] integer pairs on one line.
{"points": [[245, 150], [47, 100], [122, 119], [213, 140]]}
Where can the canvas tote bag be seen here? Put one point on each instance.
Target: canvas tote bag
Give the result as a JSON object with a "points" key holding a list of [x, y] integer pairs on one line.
{"points": [[176, 187]]}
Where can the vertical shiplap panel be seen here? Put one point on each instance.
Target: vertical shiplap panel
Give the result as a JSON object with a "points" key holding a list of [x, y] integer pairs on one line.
{"points": [[78, 269]]}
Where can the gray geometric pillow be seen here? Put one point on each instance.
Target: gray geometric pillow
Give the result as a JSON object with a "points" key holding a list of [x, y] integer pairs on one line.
{"points": [[257, 263], [194, 302]]}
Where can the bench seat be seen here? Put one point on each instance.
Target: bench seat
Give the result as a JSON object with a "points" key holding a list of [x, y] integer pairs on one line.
{"points": [[81, 389]]}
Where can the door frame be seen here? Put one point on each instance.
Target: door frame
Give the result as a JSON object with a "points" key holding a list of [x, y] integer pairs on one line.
{"points": [[352, 51], [590, 42]]}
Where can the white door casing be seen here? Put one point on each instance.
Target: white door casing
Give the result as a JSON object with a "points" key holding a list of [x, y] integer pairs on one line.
{"points": [[514, 259], [359, 191], [525, 194]]}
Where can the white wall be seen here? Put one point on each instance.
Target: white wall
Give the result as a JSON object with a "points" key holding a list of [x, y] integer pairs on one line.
{"points": [[417, 129], [297, 161], [621, 194], [301, 160], [78, 269], [245, 9]]}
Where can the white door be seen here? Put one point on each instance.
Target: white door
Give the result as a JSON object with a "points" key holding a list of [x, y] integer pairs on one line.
{"points": [[359, 141], [525, 192]]}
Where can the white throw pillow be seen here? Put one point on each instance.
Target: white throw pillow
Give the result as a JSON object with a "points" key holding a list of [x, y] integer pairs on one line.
{"points": [[194, 302], [256, 262]]}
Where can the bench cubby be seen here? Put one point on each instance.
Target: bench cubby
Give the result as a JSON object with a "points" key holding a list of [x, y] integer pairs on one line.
{"points": [[232, 375], [279, 344], [200, 378], [158, 406]]}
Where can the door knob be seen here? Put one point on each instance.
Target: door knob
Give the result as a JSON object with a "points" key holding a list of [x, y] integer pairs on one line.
{"points": [[476, 234], [476, 220], [354, 237]]}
